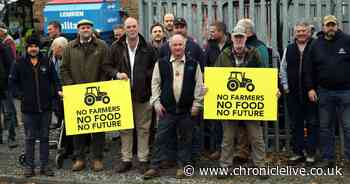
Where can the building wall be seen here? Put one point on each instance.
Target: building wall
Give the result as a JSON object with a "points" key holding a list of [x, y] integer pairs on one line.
{"points": [[38, 7], [131, 6]]}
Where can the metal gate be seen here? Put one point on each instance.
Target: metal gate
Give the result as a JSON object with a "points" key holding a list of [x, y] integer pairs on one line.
{"points": [[274, 19]]}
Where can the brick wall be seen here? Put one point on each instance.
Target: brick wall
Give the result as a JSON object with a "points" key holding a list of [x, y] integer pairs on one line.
{"points": [[131, 6], [38, 7]]}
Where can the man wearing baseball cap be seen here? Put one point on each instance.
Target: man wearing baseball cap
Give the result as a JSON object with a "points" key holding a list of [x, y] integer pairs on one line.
{"points": [[239, 55], [86, 48], [327, 82], [192, 48]]}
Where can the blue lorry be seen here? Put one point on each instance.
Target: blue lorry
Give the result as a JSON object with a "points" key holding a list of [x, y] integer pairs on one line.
{"points": [[104, 13]]}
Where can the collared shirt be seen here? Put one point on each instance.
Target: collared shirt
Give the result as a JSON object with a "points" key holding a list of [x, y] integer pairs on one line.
{"points": [[132, 54], [88, 41], [178, 74], [57, 63]]}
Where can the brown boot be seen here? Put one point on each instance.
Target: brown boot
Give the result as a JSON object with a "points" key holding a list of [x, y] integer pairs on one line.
{"points": [[215, 156], [97, 165], [143, 167], [28, 172], [166, 164], [180, 174], [78, 165], [123, 167], [151, 173]]}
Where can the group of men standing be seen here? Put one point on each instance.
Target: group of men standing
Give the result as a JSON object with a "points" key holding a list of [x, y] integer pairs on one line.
{"points": [[313, 76], [166, 74]]}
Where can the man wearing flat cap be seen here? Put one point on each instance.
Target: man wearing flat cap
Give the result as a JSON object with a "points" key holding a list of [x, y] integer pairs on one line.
{"points": [[81, 63], [328, 83]]}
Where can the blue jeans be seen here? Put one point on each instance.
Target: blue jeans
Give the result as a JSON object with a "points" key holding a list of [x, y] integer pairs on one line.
{"points": [[10, 115], [36, 125], [303, 113], [169, 125], [332, 101]]}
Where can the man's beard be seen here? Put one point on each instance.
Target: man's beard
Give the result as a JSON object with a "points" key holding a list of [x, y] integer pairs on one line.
{"points": [[158, 38], [33, 54], [330, 34]]}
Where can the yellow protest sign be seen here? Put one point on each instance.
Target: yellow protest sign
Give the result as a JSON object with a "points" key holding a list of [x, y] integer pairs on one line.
{"points": [[97, 107], [240, 93]]}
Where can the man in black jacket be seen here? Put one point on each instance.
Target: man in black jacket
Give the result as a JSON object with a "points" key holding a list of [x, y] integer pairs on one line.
{"points": [[219, 40], [8, 106], [132, 58], [158, 37], [328, 83], [6, 60], [31, 80], [300, 109]]}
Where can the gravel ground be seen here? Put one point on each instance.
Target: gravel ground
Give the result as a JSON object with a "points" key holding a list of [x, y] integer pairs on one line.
{"points": [[11, 171]]}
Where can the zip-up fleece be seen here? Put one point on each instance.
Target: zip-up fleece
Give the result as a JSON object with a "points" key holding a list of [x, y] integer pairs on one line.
{"points": [[33, 84], [329, 63]]}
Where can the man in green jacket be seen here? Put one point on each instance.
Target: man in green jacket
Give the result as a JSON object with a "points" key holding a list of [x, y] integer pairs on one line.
{"points": [[239, 55], [252, 42], [82, 63]]}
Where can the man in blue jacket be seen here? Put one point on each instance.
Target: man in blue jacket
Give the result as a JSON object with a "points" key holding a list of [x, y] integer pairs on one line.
{"points": [[328, 83], [31, 80], [192, 48]]}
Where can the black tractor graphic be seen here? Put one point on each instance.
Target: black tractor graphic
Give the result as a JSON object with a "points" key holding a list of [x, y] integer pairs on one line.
{"points": [[93, 94], [238, 79]]}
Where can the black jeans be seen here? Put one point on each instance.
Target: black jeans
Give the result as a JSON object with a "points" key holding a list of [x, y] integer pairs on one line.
{"points": [[180, 125], [10, 115], [97, 145], [303, 114], [36, 125]]}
